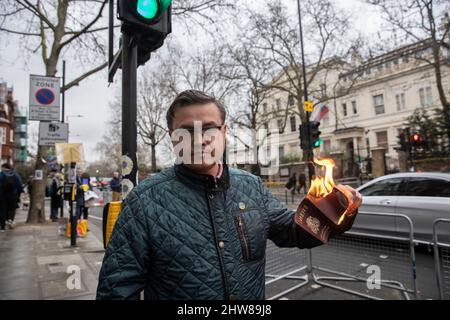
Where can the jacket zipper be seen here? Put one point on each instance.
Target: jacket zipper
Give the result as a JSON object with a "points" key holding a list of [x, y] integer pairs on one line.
{"points": [[243, 235], [222, 264]]}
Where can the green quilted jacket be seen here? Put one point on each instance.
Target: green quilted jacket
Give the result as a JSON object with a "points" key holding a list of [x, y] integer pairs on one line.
{"points": [[183, 235]]}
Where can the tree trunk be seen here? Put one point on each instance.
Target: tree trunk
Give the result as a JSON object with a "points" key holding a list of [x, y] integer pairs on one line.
{"points": [[153, 148], [36, 213]]}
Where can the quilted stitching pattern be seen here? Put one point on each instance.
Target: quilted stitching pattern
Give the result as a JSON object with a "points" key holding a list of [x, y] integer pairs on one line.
{"points": [[163, 241]]}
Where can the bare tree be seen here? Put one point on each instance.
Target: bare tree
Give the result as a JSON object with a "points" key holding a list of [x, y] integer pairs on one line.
{"points": [[72, 26], [203, 70], [427, 23], [154, 98], [276, 35], [249, 71]]}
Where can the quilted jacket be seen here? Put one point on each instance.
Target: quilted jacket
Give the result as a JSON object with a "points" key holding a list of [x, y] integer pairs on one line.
{"points": [[183, 235]]}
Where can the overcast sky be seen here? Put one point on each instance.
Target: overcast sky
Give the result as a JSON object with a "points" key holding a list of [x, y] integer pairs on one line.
{"points": [[91, 98]]}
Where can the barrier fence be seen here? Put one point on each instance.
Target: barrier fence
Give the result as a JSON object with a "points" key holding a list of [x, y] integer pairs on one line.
{"points": [[442, 257], [351, 263]]}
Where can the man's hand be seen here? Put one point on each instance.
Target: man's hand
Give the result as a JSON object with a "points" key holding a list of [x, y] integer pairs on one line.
{"points": [[354, 199]]}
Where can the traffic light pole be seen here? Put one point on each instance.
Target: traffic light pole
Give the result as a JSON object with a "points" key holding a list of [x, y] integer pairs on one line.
{"points": [[309, 152], [129, 103]]}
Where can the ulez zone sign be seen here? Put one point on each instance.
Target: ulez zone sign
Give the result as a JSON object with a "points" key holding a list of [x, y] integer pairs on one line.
{"points": [[44, 98]]}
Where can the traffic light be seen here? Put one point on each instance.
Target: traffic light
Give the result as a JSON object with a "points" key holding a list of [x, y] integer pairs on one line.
{"points": [[304, 141], [149, 21], [315, 134], [310, 133], [404, 141]]}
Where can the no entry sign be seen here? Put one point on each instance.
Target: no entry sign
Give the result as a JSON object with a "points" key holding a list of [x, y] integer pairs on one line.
{"points": [[44, 98]]}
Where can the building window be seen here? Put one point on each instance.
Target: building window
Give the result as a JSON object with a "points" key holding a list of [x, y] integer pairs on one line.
{"points": [[278, 103], [266, 126], [281, 152], [378, 102], [426, 97], [3, 135], [380, 67], [291, 100], [355, 109], [405, 59], [344, 109], [327, 146], [280, 125], [368, 72], [382, 139], [11, 135], [323, 90], [400, 100], [265, 107], [293, 124], [396, 62]]}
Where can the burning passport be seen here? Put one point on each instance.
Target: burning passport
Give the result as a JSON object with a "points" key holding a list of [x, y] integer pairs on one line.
{"points": [[327, 209]]}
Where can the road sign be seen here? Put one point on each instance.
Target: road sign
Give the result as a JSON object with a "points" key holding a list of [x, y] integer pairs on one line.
{"points": [[44, 98], [53, 132], [308, 106]]}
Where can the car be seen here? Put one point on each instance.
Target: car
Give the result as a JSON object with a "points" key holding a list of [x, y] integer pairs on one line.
{"points": [[423, 197]]}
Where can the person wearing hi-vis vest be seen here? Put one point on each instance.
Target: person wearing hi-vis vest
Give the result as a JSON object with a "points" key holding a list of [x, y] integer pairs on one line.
{"points": [[198, 230]]}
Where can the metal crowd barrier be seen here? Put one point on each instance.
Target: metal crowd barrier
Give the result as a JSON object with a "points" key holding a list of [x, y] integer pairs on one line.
{"points": [[347, 259], [442, 259], [285, 263]]}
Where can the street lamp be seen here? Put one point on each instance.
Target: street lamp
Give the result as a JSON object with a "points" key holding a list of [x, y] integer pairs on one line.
{"points": [[73, 116], [311, 168]]}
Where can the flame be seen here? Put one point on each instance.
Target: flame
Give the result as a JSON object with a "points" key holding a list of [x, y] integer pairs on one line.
{"points": [[322, 186]]}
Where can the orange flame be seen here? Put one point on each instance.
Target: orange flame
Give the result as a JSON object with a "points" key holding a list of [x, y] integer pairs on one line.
{"points": [[322, 186]]}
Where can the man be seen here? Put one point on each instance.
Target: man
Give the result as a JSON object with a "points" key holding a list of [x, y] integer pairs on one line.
{"points": [[10, 191], [199, 229], [55, 194], [302, 183], [80, 189], [291, 184], [115, 186]]}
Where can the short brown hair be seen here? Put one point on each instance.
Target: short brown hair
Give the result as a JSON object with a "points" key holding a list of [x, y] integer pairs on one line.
{"points": [[188, 98]]}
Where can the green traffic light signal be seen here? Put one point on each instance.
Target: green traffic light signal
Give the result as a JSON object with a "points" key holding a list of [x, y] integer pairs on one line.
{"points": [[150, 9], [318, 143]]}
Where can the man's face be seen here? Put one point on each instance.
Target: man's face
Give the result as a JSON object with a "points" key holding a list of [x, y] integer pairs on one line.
{"points": [[198, 135], [116, 174], [79, 172]]}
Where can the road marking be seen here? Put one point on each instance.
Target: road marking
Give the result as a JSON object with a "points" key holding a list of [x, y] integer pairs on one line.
{"points": [[95, 218]]}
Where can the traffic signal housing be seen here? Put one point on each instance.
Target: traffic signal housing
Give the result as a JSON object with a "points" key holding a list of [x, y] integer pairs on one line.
{"points": [[149, 21], [309, 133], [315, 134], [403, 141]]}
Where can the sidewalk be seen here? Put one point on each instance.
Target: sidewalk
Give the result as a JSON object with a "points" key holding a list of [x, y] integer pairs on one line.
{"points": [[34, 260]]}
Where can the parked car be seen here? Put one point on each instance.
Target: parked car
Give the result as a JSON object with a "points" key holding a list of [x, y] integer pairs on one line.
{"points": [[423, 197]]}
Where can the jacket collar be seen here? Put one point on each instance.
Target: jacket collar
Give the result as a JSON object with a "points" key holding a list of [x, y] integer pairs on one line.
{"points": [[196, 180]]}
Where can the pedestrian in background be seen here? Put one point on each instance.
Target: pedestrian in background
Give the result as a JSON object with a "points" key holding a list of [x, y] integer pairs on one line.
{"points": [[79, 197], [86, 187], [302, 182], [291, 184], [10, 190], [54, 191], [116, 186]]}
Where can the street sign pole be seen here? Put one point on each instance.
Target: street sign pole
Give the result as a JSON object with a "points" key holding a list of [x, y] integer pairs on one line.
{"points": [[129, 105], [309, 152]]}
